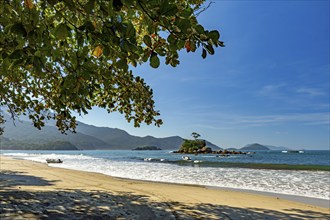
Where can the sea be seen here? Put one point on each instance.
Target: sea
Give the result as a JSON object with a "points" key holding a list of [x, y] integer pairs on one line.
{"points": [[304, 174]]}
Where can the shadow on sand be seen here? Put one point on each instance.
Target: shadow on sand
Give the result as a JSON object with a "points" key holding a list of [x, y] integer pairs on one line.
{"points": [[10, 179], [78, 204]]}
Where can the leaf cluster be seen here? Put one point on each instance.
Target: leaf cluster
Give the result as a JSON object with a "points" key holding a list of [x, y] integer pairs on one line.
{"points": [[63, 56]]}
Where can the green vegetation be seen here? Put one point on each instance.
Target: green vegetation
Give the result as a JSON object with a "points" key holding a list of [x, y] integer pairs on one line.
{"points": [[59, 57], [193, 146], [195, 135]]}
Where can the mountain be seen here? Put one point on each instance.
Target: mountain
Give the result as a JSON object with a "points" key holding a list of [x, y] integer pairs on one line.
{"points": [[87, 137], [24, 131], [277, 148], [255, 146], [120, 139], [7, 144]]}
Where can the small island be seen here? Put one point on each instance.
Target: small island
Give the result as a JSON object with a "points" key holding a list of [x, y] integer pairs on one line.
{"points": [[198, 146], [147, 148]]}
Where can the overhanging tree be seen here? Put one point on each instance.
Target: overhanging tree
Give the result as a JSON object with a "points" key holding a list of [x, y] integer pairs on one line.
{"points": [[63, 56]]}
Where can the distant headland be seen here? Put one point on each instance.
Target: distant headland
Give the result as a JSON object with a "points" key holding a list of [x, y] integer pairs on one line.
{"points": [[147, 148]]}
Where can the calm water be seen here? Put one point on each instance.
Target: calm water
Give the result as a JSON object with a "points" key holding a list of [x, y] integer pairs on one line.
{"points": [[169, 167]]}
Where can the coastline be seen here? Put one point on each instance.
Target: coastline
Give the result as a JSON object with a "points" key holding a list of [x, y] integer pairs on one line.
{"points": [[64, 193]]}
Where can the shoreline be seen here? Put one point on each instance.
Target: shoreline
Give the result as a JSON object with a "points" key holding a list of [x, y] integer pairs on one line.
{"points": [[60, 186], [321, 202], [324, 203]]}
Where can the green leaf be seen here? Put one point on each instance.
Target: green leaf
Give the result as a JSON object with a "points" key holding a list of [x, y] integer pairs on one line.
{"points": [[52, 2], [61, 31], [89, 6], [122, 64], [154, 60], [184, 24], [171, 10], [145, 56], [106, 51], [19, 29], [147, 40], [161, 51], [171, 39], [204, 54], [16, 54], [209, 49], [117, 5], [214, 35], [130, 30]]}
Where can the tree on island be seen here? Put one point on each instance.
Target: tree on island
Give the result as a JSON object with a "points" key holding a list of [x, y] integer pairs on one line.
{"points": [[63, 56], [195, 135], [193, 146]]}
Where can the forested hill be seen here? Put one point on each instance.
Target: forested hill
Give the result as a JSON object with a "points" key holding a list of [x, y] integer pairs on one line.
{"points": [[23, 135]]}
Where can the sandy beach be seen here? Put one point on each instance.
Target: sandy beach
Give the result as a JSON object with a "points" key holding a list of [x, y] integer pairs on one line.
{"points": [[30, 190]]}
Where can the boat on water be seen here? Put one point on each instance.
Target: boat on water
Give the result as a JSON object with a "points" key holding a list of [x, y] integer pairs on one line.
{"points": [[154, 159], [186, 158], [293, 151], [54, 161]]}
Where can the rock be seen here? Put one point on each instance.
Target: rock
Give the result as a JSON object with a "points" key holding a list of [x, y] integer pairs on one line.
{"points": [[206, 150]]}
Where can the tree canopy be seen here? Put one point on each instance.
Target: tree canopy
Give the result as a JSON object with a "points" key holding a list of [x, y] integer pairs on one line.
{"points": [[63, 56]]}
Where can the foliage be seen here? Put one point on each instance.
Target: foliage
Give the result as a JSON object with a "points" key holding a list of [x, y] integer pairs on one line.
{"points": [[191, 146], [63, 56], [195, 135]]}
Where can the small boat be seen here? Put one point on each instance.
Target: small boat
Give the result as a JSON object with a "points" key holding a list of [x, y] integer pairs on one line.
{"points": [[154, 159], [150, 159], [293, 151], [186, 158], [54, 161], [197, 161]]}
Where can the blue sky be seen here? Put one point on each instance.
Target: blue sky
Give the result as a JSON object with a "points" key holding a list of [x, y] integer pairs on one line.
{"points": [[270, 84]]}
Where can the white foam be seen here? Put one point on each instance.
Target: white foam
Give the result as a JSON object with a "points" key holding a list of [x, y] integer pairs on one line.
{"points": [[302, 183]]}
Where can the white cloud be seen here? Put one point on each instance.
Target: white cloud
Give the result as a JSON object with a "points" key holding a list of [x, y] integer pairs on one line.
{"points": [[310, 91], [271, 89]]}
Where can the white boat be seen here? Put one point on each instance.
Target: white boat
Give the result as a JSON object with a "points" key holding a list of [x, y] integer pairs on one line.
{"points": [[293, 151], [186, 158], [150, 159], [154, 159]]}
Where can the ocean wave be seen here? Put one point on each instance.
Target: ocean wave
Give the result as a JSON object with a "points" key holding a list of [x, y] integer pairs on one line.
{"points": [[302, 183]]}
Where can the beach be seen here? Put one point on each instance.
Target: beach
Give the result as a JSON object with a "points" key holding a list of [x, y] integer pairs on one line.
{"points": [[32, 190]]}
